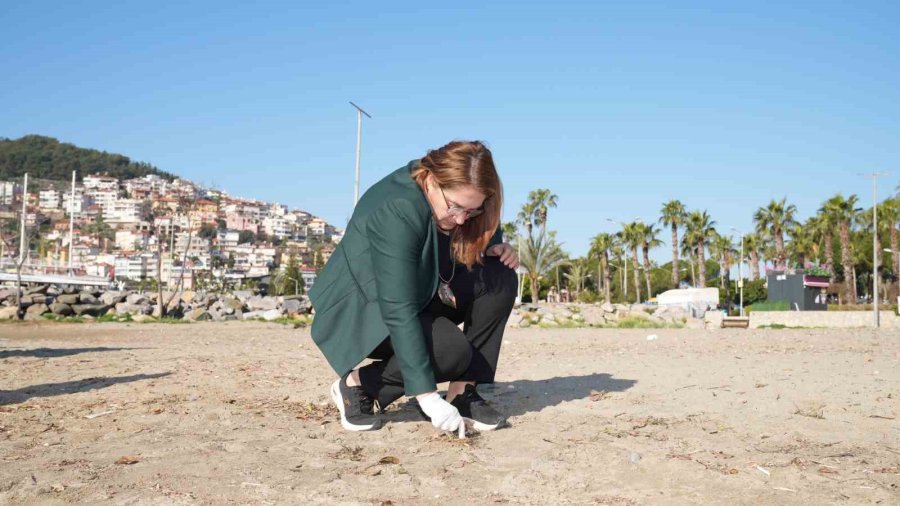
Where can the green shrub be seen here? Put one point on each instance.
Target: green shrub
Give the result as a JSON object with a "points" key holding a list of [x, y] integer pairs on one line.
{"points": [[778, 305]]}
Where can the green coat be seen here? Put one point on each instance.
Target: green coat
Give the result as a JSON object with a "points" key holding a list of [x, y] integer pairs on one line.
{"points": [[381, 276]]}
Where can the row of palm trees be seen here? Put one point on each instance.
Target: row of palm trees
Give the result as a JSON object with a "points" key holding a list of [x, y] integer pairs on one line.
{"points": [[779, 240]]}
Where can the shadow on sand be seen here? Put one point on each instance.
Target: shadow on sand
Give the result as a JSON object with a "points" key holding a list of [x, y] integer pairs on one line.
{"points": [[518, 397], [70, 387], [56, 352]]}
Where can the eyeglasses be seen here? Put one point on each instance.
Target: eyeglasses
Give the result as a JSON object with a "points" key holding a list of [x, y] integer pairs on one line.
{"points": [[456, 210]]}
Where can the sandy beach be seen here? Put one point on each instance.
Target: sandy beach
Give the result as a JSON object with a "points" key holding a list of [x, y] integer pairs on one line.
{"points": [[238, 413]]}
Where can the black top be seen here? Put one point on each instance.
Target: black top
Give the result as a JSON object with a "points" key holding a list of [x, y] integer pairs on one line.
{"points": [[445, 260]]}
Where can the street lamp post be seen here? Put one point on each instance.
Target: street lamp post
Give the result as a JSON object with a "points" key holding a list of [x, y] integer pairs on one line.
{"points": [[874, 176], [741, 271], [359, 113]]}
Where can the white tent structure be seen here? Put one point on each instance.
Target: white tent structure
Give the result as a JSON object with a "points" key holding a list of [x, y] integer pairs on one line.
{"points": [[697, 300]]}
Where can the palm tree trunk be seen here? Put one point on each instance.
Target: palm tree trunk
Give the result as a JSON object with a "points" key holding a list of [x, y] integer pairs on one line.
{"points": [[701, 263], [607, 278], [847, 262], [637, 276], [779, 250], [895, 255], [675, 265], [754, 265], [721, 273], [693, 272], [829, 255], [535, 289], [646, 251]]}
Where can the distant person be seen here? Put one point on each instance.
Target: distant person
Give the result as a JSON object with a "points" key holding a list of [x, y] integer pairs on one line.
{"points": [[423, 252]]}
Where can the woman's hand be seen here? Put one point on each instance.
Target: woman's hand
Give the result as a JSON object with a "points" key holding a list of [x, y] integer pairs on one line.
{"points": [[506, 253]]}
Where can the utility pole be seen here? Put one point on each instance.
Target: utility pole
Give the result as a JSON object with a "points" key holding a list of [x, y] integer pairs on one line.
{"points": [[71, 222], [359, 113], [22, 245], [740, 269], [874, 176]]}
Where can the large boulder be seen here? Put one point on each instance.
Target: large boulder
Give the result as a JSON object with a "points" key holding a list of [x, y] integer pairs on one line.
{"points": [[262, 303], [137, 299], [87, 298], [291, 306], [41, 289], [112, 298], [188, 296], [123, 308], [249, 315], [7, 293], [141, 318], [37, 309], [243, 295], [67, 298], [9, 313], [60, 309], [197, 315], [233, 303], [272, 314], [93, 310]]}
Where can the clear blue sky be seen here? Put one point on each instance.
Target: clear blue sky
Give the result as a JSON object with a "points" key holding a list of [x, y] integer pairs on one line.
{"points": [[616, 108]]}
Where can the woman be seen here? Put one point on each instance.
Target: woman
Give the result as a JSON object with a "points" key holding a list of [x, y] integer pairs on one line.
{"points": [[422, 253]]}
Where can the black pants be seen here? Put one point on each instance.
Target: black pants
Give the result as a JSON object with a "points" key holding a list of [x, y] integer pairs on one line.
{"points": [[484, 299]]}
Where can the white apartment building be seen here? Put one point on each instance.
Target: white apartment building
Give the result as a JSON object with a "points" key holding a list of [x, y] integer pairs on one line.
{"points": [[276, 226], [103, 198], [8, 191], [228, 238], [49, 199], [80, 201], [101, 183], [125, 210]]}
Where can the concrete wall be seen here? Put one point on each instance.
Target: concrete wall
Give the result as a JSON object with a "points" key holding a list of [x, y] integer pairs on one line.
{"points": [[831, 319]]}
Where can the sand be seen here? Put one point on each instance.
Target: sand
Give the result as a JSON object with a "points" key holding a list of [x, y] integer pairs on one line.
{"points": [[238, 413]]}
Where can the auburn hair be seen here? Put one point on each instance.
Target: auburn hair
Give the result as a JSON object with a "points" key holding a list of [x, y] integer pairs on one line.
{"points": [[466, 163]]}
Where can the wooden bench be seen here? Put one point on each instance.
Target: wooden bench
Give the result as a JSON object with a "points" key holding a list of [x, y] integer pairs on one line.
{"points": [[736, 322]]}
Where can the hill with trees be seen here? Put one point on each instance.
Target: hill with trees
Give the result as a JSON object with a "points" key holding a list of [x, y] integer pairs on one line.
{"points": [[47, 158]]}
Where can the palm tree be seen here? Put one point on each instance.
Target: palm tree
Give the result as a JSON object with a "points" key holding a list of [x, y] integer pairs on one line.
{"points": [[803, 246], [844, 212], [633, 238], [689, 250], [618, 251], [751, 251], [891, 210], [540, 254], [777, 216], [601, 246], [722, 248], [542, 199], [699, 230], [578, 272], [649, 240], [672, 214], [821, 227]]}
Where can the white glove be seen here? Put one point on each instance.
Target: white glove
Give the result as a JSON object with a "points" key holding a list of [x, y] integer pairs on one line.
{"points": [[444, 416]]}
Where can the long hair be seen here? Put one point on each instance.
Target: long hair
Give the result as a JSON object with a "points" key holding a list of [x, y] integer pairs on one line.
{"points": [[466, 163]]}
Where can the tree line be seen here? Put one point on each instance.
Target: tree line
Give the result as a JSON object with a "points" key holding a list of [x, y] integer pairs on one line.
{"points": [[835, 242], [47, 158]]}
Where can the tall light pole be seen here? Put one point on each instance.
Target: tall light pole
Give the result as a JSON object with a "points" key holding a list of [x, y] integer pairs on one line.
{"points": [[874, 176], [741, 270], [359, 113], [22, 245], [71, 222]]}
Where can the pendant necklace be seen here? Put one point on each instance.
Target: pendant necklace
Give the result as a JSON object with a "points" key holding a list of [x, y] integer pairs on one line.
{"points": [[444, 292]]}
